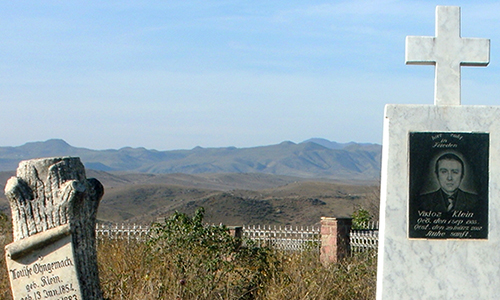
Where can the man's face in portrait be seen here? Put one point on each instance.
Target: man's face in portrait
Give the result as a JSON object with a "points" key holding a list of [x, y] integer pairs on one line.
{"points": [[449, 172]]}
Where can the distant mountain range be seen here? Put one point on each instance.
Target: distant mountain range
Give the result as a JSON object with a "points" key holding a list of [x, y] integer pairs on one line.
{"points": [[314, 158]]}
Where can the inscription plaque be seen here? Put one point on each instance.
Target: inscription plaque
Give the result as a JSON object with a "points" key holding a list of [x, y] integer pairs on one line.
{"points": [[43, 267], [448, 185]]}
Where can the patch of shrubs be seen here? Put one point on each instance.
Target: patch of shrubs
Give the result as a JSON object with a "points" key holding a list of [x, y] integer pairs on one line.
{"points": [[186, 259]]}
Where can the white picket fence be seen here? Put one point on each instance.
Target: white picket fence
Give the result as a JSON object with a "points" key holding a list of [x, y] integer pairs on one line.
{"points": [[122, 231], [288, 238], [362, 240], [365, 238], [372, 225]]}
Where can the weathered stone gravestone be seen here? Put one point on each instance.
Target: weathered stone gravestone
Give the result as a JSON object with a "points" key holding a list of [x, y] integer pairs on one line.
{"points": [[439, 230], [54, 208]]}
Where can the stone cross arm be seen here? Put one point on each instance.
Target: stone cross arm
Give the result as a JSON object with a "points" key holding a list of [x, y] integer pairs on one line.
{"points": [[448, 51]]}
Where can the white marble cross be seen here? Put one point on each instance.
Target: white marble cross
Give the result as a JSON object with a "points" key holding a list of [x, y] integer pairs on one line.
{"points": [[448, 52]]}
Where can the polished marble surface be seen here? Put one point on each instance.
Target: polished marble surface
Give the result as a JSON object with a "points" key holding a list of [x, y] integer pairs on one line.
{"points": [[434, 269]]}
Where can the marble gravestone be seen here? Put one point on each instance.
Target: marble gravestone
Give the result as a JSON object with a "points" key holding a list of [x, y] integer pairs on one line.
{"points": [[54, 208], [440, 210]]}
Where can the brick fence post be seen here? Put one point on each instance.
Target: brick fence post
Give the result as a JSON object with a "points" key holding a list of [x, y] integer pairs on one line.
{"points": [[237, 233], [335, 243]]}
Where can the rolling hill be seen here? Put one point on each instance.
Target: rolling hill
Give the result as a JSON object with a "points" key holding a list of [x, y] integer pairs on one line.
{"points": [[315, 158], [283, 184], [234, 199]]}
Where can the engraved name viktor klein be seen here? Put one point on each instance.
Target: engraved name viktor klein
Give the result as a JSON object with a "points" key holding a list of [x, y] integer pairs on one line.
{"points": [[448, 185]]}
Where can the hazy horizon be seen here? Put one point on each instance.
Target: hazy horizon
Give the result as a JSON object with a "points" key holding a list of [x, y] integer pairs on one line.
{"points": [[253, 146]]}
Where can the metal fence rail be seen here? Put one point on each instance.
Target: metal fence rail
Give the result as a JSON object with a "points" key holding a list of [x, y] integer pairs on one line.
{"points": [[122, 231], [286, 238], [371, 225], [362, 240]]}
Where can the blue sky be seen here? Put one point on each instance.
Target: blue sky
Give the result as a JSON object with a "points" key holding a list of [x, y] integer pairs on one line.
{"points": [[178, 74]]}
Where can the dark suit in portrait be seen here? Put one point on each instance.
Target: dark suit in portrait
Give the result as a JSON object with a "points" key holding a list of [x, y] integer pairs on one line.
{"points": [[438, 201]]}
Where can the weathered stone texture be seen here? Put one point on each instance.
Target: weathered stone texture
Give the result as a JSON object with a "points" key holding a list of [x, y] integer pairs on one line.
{"points": [[50, 192]]}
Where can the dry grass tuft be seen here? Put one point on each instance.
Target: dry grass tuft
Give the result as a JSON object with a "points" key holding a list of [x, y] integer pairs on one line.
{"points": [[304, 277], [5, 238], [133, 270], [127, 274]]}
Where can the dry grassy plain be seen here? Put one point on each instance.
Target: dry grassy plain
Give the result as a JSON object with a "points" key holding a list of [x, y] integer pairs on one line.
{"points": [[234, 199], [130, 271], [231, 199]]}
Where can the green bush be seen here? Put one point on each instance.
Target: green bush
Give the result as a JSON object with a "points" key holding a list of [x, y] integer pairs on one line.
{"points": [[206, 261], [360, 218]]}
